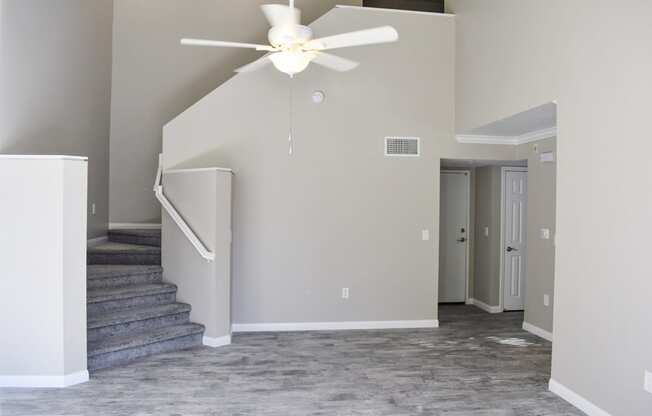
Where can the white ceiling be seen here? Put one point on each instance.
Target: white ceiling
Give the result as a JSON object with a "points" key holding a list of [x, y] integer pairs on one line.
{"points": [[530, 125]]}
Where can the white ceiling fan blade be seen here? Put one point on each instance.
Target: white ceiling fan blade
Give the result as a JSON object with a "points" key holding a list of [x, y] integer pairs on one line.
{"points": [[280, 14], [222, 44], [255, 65], [381, 34], [334, 62]]}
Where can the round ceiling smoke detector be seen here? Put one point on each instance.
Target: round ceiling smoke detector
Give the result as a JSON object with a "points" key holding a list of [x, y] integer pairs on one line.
{"points": [[318, 97]]}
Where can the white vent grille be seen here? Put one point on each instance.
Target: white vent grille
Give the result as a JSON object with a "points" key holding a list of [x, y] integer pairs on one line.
{"points": [[401, 146]]}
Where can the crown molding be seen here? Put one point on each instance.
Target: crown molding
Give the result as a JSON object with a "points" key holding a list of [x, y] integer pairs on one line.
{"points": [[529, 137]]}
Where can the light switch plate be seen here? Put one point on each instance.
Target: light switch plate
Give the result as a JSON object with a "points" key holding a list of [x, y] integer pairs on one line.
{"points": [[546, 300], [545, 233], [425, 235], [486, 231], [648, 382]]}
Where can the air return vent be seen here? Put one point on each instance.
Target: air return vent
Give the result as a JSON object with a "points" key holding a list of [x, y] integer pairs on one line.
{"points": [[401, 146]]}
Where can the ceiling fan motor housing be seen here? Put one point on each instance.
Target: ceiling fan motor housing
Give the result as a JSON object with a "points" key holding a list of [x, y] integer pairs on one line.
{"points": [[287, 36]]}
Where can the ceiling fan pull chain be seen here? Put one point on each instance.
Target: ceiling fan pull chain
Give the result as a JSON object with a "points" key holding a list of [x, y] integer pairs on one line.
{"points": [[290, 138]]}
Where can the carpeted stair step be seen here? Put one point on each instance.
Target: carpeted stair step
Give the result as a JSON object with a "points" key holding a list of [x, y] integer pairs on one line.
{"points": [[120, 253], [136, 320], [107, 275], [140, 237], [132, 296], [117, 350]]}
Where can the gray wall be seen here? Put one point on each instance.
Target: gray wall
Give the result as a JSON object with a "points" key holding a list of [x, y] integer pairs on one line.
{"points": [[55, 78], [541, 200], [486, 259], [337, 213], [155, 79], [593, 57]]}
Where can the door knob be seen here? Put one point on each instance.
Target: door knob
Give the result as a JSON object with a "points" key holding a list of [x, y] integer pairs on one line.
{"points": [[510, 249], [461, 240]]}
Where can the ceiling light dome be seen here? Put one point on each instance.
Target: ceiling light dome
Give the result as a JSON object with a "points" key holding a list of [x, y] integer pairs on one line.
{"points": [[291, 62]]}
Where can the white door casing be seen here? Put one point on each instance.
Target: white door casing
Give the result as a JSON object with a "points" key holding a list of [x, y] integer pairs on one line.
{"points": [[454, 236], [514, 244]]}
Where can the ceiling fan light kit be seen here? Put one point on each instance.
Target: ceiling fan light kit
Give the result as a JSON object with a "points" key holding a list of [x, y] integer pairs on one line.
{"points": [[292, 47]]}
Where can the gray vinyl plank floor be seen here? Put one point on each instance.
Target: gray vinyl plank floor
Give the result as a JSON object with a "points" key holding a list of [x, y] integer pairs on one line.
{"points": [[475, 364]]}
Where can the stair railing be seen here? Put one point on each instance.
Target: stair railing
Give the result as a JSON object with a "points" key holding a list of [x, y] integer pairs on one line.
{"points": [[176, 217]]}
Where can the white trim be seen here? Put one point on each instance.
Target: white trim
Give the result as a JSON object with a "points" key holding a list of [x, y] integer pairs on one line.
{"points": [[198, 170], [468, 226], [45, 381], [176, 217], [501, 260], [575, 399], [134, 226], [94, 242], [217, 342], [537, 331], [333, 326], [345, 6], [480, 139], [45, 157], [534, 136], [487, 308], [528, 137]]}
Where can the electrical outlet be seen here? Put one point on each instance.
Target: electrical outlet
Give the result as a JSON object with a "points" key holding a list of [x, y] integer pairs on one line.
{"points": [[93, 208], [545, 233], [425, 235], [648, 382], [546, 300], [345, 293]]}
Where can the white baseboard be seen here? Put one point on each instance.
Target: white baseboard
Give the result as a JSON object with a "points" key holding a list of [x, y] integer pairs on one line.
{"points": [[44, 381], [133, 226], [333, 326], [94, 242], [575, 399], [487, 308], [217, 342], [537, 331]]}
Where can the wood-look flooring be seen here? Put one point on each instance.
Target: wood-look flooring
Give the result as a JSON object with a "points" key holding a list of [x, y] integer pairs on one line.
{"points": [[475, 364]]}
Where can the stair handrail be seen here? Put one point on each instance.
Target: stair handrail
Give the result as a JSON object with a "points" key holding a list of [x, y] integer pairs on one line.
{"points": [[176, 217]]}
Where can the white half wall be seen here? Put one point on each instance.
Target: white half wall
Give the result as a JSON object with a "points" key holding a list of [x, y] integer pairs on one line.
{"points": [[43, 271]]}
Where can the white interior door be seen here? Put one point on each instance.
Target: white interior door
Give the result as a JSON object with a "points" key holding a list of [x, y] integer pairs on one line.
{"points": [[453, 236], [514, 239]]}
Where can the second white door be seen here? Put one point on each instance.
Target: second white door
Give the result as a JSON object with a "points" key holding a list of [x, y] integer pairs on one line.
{"points": [[514, 238]]}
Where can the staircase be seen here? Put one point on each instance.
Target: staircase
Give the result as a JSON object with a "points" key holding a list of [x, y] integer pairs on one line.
{"points": [[131, 311]]}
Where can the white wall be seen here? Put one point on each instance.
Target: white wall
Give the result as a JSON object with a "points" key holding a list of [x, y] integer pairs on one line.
{"points": [[43, 269], [594, 58], [55, 78]]}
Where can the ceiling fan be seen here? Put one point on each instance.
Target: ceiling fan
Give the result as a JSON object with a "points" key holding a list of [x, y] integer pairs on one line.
{"points": [[292, 47]]}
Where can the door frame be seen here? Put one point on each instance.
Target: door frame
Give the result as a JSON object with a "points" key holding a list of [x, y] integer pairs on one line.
{"points": [[503, 177], [467, 265]]}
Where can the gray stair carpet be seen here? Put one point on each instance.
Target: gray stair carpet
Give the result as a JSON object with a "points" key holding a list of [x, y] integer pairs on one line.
{"points": [[105, 276], [131, 311], [122, 253], [141, 237]]}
